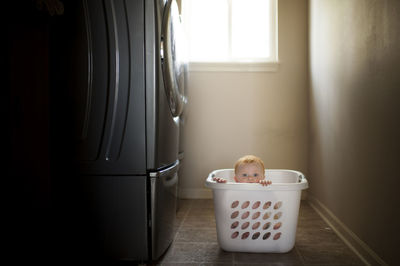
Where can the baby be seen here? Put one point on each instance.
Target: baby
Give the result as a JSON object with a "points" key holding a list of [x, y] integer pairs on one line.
{"points": [[248, 169]]}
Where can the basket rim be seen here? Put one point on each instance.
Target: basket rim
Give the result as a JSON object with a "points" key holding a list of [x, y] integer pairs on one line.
{"points": [[300, 185]]}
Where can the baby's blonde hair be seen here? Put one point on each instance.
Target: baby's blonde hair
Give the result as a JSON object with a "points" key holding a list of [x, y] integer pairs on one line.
{"points": [[249, 159]]}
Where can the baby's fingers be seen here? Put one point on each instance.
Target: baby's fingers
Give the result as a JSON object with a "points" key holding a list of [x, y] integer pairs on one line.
{"points": [[265, 182], [219, 180]]}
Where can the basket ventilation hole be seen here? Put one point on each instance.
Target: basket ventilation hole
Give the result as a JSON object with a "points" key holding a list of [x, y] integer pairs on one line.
{"points": [[277, 236], [235, 224], [245, 215], [255, 215], [234, 214], [277, 226], [267, 205], [245, 204], [245, 235], [266, 235], [266, 215], [235, 234], [266, 226], [234, 204], [256, 225], [255, 235], [245, 225], [278, 215], [256, 205], [278, 205]]}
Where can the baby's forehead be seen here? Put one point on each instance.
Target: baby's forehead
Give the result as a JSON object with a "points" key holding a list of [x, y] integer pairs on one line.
{"points": [[249, 165]]}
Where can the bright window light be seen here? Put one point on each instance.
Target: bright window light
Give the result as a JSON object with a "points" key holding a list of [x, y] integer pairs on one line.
{"points": [[231, 30]]}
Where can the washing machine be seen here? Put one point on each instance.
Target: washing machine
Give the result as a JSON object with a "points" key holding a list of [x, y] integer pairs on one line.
{"points": [[118, 82]]}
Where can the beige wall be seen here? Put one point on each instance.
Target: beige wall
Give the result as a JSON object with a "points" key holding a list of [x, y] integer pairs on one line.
{"points": [[354, 112], [231, 114]]}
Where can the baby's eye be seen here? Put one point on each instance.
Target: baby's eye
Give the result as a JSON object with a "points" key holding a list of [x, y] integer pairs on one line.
{"points": [[255, 174], [244, 175]]}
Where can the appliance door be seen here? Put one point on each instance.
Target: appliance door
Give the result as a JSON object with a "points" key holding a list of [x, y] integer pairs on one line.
{"points": [[173, 53], [101, 83], [162, 125], [164, 191]]}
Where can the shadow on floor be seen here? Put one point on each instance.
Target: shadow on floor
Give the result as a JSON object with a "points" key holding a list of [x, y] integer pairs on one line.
{"points": [[196, 242]]}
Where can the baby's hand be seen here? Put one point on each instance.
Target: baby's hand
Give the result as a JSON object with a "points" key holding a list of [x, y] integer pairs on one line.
{"points": [[219, 179], [265, 182]]}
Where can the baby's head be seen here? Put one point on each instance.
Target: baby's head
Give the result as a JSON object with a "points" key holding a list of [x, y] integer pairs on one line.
{"points": [[249, 169]]}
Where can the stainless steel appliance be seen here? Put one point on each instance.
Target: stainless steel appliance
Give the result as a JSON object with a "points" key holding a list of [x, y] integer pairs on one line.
{"points": [[124, 77]]}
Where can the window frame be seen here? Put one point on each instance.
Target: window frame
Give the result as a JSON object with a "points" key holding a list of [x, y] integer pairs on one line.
{"points": [[270, 64]]}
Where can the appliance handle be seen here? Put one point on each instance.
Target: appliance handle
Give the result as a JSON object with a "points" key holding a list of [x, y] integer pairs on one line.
{"points": [[167, 171]]}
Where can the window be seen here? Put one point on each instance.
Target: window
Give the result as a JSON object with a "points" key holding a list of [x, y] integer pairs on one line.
{"points": [[231, 34]]}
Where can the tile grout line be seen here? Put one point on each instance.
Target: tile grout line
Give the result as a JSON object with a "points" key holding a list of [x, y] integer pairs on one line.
{"points": [[177, 231], [182, 222], [303, 261], [181, 227], [300, 255]]}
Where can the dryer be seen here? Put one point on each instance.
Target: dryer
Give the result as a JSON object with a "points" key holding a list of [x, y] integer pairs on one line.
{"points": [[118, 87]]}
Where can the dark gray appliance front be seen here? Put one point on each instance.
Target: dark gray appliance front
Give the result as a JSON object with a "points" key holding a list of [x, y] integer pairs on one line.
{"points": [[126, 133], [124, 120], [129, 221], [108, 83]]}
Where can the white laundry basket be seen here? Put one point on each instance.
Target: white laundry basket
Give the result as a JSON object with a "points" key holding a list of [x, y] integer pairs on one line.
{"points": [[255, 218]]}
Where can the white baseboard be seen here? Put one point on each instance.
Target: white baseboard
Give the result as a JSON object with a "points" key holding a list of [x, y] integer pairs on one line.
{"points": [[363, 251], [198, 193]]}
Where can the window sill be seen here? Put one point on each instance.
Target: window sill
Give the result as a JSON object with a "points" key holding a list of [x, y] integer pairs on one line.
{"points": [[233, 66]]}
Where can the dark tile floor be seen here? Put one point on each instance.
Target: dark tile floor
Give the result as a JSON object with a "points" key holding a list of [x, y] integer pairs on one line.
{"points": [[196, 243]]}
